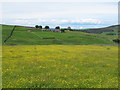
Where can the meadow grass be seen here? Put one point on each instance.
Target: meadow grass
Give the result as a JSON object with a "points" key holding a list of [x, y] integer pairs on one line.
{"points": [[60, 66], [22, 36]]}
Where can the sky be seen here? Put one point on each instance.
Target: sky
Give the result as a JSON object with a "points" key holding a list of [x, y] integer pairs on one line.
{"points": [[77, 15]]}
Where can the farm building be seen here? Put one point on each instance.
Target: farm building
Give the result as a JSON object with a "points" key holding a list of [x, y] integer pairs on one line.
{"points": [[53, 30]]}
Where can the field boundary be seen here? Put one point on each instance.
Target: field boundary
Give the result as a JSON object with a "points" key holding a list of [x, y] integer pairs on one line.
{"points": [[10, 35]]}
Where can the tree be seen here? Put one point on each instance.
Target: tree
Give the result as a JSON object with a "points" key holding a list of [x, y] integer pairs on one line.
{"points": [[69, 28], [36, 26], [57, 27], [47, 27], [40, 27]]}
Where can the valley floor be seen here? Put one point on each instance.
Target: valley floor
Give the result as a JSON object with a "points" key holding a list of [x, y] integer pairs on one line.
{"points": [[60, 66]]}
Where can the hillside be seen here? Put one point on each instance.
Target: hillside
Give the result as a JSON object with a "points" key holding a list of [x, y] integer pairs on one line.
{"points": [[111, 30], [22, 36]]}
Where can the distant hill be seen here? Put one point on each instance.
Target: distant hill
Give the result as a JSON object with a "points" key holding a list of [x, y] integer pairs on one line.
{"points": [[112, 29]]}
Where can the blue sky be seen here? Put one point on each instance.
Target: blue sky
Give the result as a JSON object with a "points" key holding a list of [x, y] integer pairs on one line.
{"points": [[75, 14]]}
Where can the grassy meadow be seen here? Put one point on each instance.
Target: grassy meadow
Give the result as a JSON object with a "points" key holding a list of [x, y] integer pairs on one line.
{"points": [[73, 59], [60, 66]]}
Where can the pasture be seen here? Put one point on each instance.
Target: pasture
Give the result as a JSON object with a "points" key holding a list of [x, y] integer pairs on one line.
{"points": [[21, 36], [60, 66]]}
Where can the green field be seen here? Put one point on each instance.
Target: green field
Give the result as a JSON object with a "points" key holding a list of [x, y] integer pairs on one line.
{"points": [[60, 66], [73, 59], [22, 36]]}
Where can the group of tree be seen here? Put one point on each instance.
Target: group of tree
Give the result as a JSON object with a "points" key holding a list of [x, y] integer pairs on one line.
{"points": [[47, 27], [40, 27], [57, 27]]}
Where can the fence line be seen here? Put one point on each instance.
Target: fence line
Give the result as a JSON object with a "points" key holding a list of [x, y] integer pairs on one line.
{"points": [[10, 35]]}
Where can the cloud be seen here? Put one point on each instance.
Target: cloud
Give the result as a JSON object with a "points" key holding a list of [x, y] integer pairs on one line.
{"points": [[95, 21], [79, 21], [24, 21], [50, 10], [63, 23], [64, 14], [56, 21]]}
